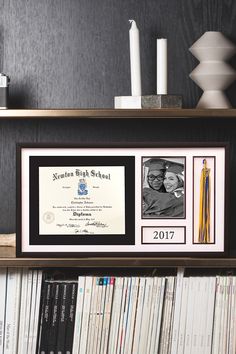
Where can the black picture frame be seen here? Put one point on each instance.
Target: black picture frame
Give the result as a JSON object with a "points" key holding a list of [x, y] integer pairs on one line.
{"points": [[134, 241]]}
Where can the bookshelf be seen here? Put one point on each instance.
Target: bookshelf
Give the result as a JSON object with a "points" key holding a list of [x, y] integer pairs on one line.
{"points": [[133, 125]]}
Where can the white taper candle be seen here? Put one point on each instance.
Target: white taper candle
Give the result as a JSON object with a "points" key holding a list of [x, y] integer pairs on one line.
{"points": [[162, 66], [135, 67]]}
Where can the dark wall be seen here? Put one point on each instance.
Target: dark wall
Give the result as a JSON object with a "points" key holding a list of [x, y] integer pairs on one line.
{"points": [[75, 53]]}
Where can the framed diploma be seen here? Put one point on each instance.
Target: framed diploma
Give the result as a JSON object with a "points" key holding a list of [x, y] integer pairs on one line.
{"points": [[132, 200]]}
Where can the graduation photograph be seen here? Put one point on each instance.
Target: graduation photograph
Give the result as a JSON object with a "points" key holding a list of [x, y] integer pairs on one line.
{"points": [[163, 187]]}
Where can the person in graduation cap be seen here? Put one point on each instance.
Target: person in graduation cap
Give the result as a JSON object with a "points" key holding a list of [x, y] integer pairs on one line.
{"points": [[165, 199], [174, 185], [152, 194]]}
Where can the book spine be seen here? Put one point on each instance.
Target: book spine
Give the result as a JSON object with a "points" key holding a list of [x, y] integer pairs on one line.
{"points": [[164, 322], [3, 285], [190, 315], [101, 314], [23, 310], [26, 314], [160, 314], [86, 311], [210, 315], [232, 345], [139, 314], [155, 314], [32, 311], [183, 316], [146, 315], [151, 320], [177, 310], [122, 310], [201, 343], [108, 315], [196, 314], [12, 310], [105, 314], [71, 318], [217, 314], [132, 316], [43, 343], [115, 315], [64, 289], [92, 314], [54, 318], [79, 314], [37, 310]]}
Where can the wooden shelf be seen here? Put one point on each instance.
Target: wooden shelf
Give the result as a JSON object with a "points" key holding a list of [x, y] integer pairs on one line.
{"points": [[119, 262], [115, 113]]}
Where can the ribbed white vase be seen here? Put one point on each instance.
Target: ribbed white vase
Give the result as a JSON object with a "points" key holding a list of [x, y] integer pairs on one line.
{"points": [[213, 74]]}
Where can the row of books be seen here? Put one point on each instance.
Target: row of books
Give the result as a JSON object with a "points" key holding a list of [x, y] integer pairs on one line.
{"points": [[19, 310], [99, 315]]}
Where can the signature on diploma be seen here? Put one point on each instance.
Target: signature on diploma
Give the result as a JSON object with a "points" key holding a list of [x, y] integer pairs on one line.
{"points": [[85, 231], [68, 225], [96, 224]]}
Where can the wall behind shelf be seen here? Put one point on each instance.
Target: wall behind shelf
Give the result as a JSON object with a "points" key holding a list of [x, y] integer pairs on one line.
{"points": [[68, 53]]}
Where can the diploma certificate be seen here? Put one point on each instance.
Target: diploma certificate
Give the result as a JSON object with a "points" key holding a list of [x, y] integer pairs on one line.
{"points": [[81, 200]]}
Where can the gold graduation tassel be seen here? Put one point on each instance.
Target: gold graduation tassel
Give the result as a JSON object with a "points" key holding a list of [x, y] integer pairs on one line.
{"points": [[204, 212]]}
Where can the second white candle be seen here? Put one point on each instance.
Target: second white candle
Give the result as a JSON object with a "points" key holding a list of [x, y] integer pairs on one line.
{"points": [[162, 66]]}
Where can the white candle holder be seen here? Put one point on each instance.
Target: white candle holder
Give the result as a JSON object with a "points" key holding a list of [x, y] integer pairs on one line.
{"points": [[148, 102]]}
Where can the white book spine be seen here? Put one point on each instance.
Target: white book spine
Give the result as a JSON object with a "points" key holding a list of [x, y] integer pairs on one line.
{"points": [[146, 315], [3, 285], [156, 302], [32, 310], [225, 337], [12, 310], [101, 314], [152, 310], [115, 315], [23, 305], [165, 329], [190, 315], [139, 315], [183, 316], [132, 317], [86, 310], [107, 314], [203, 320], [27, 312], [170, 316], [92, 314], [217, 316], [210, 314], [126, 315], [97, 315], [177, 310], [78, 314], [37, 308], [232, 324], [160, 315], [223, 315], [196, 315], [122, 310], [200, 325]]}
